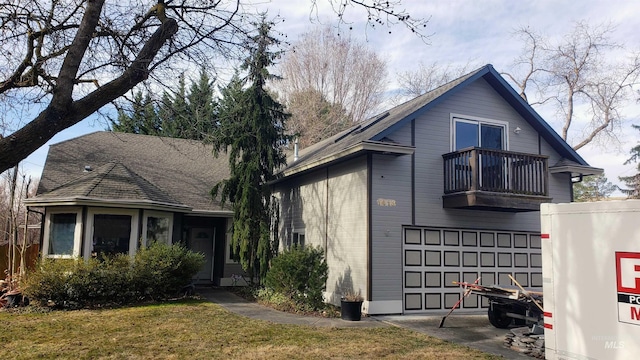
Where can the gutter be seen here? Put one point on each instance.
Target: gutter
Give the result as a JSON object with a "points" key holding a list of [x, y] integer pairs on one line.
{"points": [[89, 201], [361, 147]]}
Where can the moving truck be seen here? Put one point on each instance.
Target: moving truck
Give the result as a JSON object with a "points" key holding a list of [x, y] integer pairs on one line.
{"points": [[591, 280]]}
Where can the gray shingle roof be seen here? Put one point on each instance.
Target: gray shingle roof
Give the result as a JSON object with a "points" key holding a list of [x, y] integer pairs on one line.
{"points": [[134, 168]]}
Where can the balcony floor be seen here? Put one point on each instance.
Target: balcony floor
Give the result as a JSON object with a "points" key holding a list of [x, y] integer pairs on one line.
{"points": [[493, 201]]}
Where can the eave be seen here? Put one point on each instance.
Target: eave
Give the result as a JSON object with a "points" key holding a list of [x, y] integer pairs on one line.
{"points": [[119, 203], [360, 148], [576, 170]]}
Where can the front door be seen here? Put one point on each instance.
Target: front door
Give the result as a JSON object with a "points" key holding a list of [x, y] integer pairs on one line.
{"points": [[202, 241]]}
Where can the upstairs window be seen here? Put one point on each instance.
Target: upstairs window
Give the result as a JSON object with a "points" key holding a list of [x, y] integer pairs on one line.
{"points": [[482, 133]]}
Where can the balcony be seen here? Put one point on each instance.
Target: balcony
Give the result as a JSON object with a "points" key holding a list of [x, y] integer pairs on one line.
{"points": [[498, 180]]}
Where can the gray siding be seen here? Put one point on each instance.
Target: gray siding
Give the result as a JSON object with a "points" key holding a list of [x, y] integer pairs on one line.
{"points": [[390, 209], [331, 206], [303, 206], [433, 138], [347, 228]]}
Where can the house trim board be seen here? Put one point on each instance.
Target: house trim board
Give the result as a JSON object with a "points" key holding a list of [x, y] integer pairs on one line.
{"points": [[369, 225], [348, 153], [382, 307], [413, 173], [113, 203]]}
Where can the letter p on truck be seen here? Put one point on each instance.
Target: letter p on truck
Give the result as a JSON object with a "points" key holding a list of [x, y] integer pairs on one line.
{"points": [[591, 279]]}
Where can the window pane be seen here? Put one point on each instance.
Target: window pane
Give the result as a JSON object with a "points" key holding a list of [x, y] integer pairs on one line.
{"points": [[157, 229], [466, 135], [111, 234], [301, 240], [61, 235], [491, 136]]}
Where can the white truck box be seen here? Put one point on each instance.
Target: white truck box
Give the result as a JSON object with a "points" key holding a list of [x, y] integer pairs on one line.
{"points": [[591, 280]]}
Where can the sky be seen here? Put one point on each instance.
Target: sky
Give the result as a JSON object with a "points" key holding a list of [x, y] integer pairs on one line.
{"points": [[461, 32]]}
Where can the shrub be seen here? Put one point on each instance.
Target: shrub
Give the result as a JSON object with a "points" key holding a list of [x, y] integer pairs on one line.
{"points": [[48, 282], [157, 272], [161, 270], [301, 275]]}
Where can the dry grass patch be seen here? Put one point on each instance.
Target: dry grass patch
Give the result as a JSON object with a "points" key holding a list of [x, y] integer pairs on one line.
{"points": [[201, 330]]}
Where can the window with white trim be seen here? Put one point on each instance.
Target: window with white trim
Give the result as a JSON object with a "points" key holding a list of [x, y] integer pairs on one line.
{"points": [[478, 132], [62, 233], [111, 231], [157, 226], [297, 238]]}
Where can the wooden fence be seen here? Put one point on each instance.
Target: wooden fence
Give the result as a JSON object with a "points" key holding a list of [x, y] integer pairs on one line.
{"points": [[31, 257]]}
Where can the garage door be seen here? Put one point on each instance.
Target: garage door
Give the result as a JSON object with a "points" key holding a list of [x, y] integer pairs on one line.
{"points": [[433, 258]]}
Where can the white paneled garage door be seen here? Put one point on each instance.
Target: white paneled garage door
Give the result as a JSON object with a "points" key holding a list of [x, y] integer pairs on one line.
{"points": [[433, 258]]}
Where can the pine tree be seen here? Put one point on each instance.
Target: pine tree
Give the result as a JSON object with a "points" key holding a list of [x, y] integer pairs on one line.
{"points": [[175, 112], [202, 108], [632, 182], [252, 131], [141, 119]]}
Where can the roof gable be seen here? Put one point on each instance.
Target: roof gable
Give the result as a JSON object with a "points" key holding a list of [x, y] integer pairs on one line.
{"points": [[380, 127]]}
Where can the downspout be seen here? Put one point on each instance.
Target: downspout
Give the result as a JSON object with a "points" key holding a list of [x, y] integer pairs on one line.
{"points": [[326, 214], [42, 225], [369, 225]]}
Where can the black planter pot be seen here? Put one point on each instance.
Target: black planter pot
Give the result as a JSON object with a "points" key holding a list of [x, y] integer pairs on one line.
{"points": [[350, 310]]}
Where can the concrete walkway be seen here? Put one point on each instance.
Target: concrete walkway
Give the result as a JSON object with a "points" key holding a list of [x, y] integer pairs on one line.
{"points": [[240, 306], [470, 330]]}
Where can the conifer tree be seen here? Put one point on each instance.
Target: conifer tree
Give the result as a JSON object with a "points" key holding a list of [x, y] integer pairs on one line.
{"points": [[187, 115], [252, 131], [202, 108], [141, 119]]}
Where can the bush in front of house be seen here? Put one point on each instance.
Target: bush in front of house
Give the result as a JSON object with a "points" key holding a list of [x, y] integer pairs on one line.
{"points": [[300, 274], [156, 273], [160, 270]]}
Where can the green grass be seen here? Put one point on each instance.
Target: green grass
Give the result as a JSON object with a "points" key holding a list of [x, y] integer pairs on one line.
{"points": [[194, 329]]}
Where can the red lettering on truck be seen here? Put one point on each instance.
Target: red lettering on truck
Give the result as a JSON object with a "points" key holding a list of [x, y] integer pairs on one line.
{"points": [[628, 272], [635, 313]]}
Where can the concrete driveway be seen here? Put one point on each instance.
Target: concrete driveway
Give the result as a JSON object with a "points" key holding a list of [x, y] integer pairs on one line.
{"points": [[470, 330]]}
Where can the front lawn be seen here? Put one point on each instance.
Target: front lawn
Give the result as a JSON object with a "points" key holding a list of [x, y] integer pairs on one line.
{"points": [[194, 329]]}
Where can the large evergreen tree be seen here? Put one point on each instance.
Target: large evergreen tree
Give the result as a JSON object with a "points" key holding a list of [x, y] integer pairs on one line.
{"points": [[202, 108], [141, 118], [252, 131], [182, 114]]}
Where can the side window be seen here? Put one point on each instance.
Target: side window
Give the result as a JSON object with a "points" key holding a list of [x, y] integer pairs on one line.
{"points": [[157, 226], [62, 234], [297, 238]]}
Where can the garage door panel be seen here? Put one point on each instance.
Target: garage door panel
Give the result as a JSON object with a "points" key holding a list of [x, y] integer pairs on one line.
{"points": [[435, 258]]}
